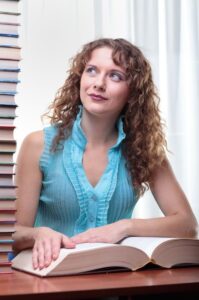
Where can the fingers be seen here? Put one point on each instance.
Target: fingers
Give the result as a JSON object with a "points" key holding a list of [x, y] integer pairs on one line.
{"points": [[44, 252], [35, 254], [55, 249], [81, 238], [103, 234], [67, 242], [47, 247], [89, 236], [38, 255]]}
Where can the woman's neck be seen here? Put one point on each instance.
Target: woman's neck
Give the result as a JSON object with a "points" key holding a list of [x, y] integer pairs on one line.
{"points": [[99, 130]]}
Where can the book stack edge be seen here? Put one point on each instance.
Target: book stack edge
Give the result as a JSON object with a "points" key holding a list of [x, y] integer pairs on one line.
{"points": [[9, 71]]}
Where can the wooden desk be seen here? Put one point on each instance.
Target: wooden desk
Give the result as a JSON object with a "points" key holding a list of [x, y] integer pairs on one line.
{"points": [[128, 285]]}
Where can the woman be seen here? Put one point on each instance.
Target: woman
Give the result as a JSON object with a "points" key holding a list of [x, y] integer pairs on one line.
{"points": [[79, 179]]}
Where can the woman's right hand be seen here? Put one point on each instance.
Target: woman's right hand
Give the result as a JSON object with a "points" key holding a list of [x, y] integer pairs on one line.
{"points": [[47, 244]]}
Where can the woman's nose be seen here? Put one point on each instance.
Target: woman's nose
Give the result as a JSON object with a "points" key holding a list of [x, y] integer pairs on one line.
{"points": [[100, 83]]}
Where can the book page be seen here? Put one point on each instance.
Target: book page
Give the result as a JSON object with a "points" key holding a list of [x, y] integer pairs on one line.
{"points": [[23, 261], [89, 246], [146, 244], [82, 247]]}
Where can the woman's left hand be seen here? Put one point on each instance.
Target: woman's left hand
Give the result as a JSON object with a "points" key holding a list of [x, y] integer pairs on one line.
{"points": [[111, 233]]}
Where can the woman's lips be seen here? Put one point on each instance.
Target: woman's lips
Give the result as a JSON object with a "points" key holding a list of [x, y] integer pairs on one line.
{"points": [[97, 97]]}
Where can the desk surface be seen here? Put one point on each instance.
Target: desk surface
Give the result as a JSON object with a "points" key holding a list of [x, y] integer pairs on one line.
{"points": [[21, 286]]}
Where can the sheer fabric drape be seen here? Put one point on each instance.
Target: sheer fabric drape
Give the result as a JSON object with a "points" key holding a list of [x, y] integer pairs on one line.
{"points": [[167, 32]]}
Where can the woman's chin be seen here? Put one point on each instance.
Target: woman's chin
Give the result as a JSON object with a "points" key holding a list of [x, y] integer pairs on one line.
{"points": [[97, 109]]}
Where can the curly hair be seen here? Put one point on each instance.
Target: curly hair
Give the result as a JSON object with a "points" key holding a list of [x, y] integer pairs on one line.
{"points": [[145, 143]]}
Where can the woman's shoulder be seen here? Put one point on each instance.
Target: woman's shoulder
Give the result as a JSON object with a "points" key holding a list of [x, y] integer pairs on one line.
{"points": [[34, 139], [37, 138], [32, 147], [33, 144]]}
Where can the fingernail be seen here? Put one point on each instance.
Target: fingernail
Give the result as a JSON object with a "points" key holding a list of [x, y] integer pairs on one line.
{"points": [[47, 262]]}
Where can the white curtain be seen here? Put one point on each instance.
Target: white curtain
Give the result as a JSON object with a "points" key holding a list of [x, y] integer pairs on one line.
{"points": [[167, 31]]}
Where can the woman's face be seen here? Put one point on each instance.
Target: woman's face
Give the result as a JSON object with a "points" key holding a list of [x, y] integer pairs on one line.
{"points": [[103, 87]]}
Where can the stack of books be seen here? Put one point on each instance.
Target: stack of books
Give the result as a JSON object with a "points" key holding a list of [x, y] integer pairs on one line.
{"points": [[9, 70]]}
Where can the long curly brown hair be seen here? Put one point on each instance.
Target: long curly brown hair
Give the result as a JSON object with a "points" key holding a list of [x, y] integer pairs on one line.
{"points": [[144, 146]]}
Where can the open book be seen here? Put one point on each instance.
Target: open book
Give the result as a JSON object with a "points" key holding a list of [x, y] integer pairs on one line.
{"points": [[132, 253]]}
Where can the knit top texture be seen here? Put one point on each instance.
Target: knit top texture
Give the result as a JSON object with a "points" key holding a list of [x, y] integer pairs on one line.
{"points": [[68, 202]]}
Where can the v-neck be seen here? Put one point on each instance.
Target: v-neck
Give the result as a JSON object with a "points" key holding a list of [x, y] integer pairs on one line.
{"points": [[102, 192]]}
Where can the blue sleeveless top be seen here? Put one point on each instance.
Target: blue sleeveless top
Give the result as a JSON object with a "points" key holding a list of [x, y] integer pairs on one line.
{"points": [[68, 202]]}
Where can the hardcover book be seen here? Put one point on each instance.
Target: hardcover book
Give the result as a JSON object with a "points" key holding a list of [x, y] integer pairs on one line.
{"points": [[3, 257], [7, 203], [132, 254], [8, 100], [7, 146], [9, 40], [9, 6], [7, 158], [7, 121], [9, 28], [7, 133], [7, 214], [9, 18], [5, 267], [7, 226], [6, 169], [7, 111], [10, 52], [8, 192], [8, 64], [9, 75]]}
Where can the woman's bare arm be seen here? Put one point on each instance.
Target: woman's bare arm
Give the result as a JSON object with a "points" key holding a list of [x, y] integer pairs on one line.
{"points": [[28, 180], [178, 219], [46, 242]]}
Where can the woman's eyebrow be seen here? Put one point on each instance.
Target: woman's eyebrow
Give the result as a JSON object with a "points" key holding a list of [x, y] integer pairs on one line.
{"points": [[118, 70], [91, 65], [111, 70]]}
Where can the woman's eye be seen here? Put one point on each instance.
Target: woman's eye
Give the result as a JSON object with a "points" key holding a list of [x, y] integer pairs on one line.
{"points": [[116, 76], [91, 70]]}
